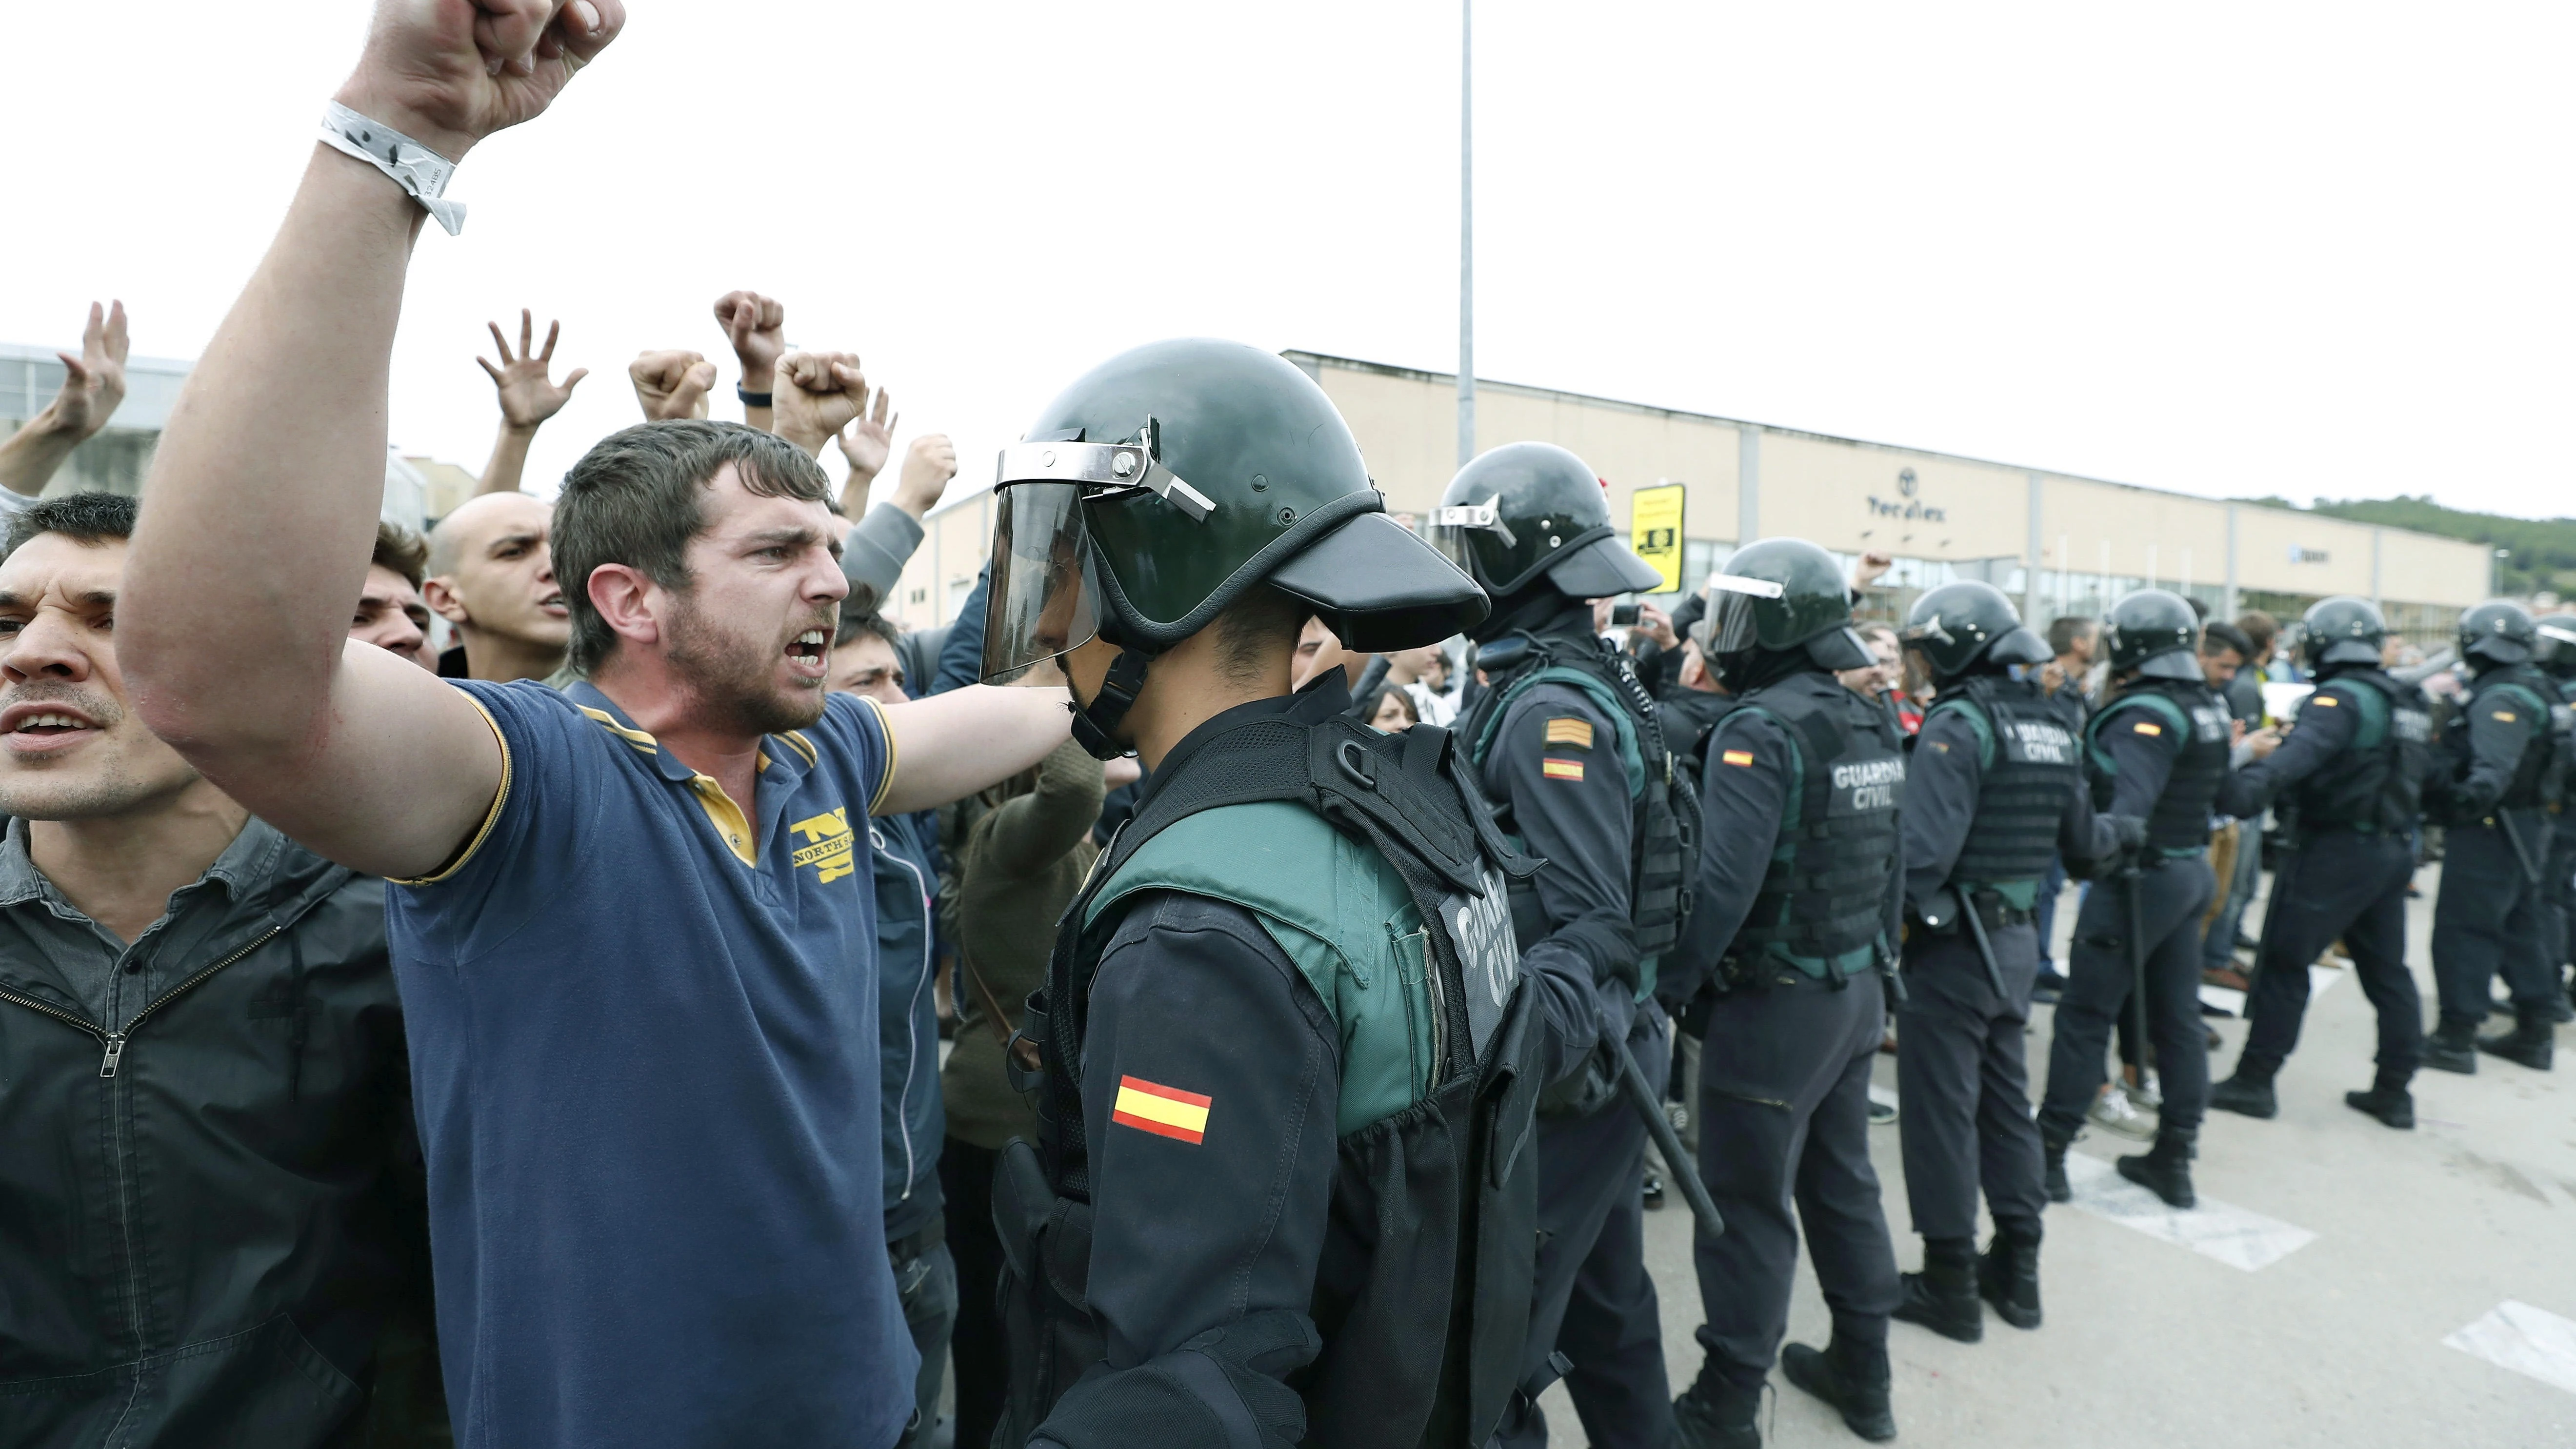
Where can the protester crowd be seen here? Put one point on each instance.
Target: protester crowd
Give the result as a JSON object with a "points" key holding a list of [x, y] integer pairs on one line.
{"points": [[457, 1035]]}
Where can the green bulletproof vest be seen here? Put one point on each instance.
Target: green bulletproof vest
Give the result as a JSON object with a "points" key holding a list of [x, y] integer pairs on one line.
{"points": [[1337, 909]]}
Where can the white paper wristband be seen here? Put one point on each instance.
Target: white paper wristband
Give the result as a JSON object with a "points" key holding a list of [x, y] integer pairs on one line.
{"points": [[415, 168]]}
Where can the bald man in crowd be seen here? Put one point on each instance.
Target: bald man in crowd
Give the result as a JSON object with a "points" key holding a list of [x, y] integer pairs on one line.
{"points": [[492, 577]]}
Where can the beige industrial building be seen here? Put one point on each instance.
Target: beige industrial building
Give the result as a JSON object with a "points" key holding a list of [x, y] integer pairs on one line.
{"points": [[2058, 544]]}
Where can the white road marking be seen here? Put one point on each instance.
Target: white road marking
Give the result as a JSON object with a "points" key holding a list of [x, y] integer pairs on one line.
{"points": [[2236, 1236], [2530, 1341]]}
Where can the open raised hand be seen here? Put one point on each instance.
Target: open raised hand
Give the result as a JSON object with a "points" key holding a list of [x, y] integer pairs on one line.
{"points": [[448, 73], [869, 439], [528, 395], [671, 384], [94, 382], [817, 395]]}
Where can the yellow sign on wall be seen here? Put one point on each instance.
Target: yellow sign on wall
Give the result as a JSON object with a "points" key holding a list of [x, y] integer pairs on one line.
{"points": [[1655, 531]]}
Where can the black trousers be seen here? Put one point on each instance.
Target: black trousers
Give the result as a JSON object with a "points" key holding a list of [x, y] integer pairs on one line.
{"points": [[1966, 1090], [2172, 895], [1594, 1302], [2560, 895], [2336, 884], [2488, 919], [975, 1344], [1784, 1116]]}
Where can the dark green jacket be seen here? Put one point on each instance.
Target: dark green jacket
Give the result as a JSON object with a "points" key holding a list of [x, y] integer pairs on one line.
{"points": [[1020, 866], [223, 1242]]}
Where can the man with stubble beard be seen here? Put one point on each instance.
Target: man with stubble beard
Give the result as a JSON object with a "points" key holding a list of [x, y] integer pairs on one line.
{"points": [[211, 1216]]}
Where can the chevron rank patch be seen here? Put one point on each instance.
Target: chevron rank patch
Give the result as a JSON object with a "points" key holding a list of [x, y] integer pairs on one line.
{"points": [[1574, 732], [1163, 1111], [2327, 700], [1561, 769], [2505, 715], [1737, 757], [2148, 727]]}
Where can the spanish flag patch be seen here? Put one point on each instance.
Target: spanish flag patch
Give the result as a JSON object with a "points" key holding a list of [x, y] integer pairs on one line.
{"points": [[1163, 1111], [2148, 727], [1575, 732], [1737, 757], [2505, 715], [2327, 700], [1561, 769]]}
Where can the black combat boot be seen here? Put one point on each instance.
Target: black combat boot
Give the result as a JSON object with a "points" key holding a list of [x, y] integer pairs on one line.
{"points": [[2008, 1273], [1715, 1414], [1943, 1297], [2387, 1100], [2165, 1169], [1850, 1376], [2248, 1092], [2528, 1044], [2452, 1047], [2053, 1174]]}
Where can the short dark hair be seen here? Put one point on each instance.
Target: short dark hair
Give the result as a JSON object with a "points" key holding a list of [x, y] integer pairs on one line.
{"points": [[2260, 627], [1260, 623], [2218, 634], [90, 518], [637, 498], [855, 622], [2065, 629], [403, 551]]}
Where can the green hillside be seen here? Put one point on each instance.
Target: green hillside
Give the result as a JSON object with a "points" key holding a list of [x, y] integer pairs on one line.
{"points": [[2544, 549]]}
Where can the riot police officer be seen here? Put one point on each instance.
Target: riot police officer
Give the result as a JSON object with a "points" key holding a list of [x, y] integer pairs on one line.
{"points": [[1284, 1043], [1797, 916], [2506, 750], [1994, 791], [2555, 653], [2349, 780], [1571, 752], [2157, 752]]}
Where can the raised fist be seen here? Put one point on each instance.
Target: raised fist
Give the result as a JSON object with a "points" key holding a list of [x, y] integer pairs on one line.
{"points": [[816, 395], [927, 466], [671, 384], [757, 328], [448, 73]]}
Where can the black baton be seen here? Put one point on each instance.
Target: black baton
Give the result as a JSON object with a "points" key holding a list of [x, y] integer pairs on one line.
{"points": [[1641, 1095], [1985, 948]]}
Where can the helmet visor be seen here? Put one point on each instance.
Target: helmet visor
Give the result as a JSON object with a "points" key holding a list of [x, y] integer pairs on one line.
{"points": [[1455, 529], [1043, 598], [1734, 622]]}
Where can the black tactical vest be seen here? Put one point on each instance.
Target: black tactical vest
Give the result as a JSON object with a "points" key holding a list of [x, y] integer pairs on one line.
{"points": [[1838, 851], [1663, 839], [1423, 1293], [2376, 786], [2034, 768], [2179, 823], [2540, 778]]}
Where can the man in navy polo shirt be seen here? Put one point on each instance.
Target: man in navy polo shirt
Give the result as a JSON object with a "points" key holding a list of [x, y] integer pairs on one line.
{"points": [[633, 924]]}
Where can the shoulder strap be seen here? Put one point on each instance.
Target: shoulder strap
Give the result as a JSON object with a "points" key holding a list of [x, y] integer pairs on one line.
{"points": [[1972, 708], [2374, 701]]}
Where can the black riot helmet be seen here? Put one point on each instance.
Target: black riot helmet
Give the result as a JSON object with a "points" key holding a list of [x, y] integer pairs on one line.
{"points": [[2498, 631], [1780, 594], [2342, 630], [2555, 649], [1166, 483], [1527, 511], [1960, 627], [2154, 633]]}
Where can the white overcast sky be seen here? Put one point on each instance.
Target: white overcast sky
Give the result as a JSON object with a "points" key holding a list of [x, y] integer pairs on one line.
{"points": [[2232, 249]]}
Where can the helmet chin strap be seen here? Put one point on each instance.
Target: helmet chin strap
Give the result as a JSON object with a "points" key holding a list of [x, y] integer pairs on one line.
{"points": [[1096, 722]]}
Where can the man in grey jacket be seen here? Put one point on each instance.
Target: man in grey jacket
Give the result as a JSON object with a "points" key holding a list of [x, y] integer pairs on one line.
{"points": [[211, 1218]]}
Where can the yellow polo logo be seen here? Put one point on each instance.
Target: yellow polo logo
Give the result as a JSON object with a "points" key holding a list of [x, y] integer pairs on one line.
{"points": [[827, 845]]}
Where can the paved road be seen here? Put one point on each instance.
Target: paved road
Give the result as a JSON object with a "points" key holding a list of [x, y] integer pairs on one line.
{"points": [[2337, 1342]]}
